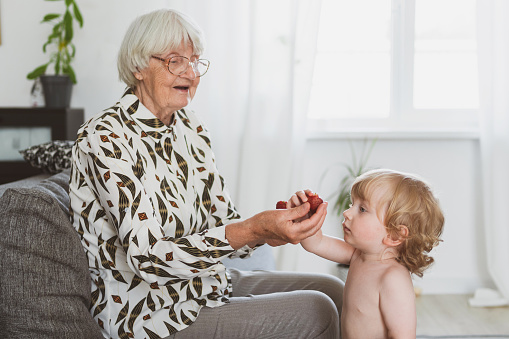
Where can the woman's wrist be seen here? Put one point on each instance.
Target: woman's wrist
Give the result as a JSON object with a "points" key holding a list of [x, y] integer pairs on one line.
{"points": [[243, 233]]}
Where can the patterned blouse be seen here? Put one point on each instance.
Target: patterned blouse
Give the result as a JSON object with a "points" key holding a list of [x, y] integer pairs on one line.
{"points": [[148, 203]]}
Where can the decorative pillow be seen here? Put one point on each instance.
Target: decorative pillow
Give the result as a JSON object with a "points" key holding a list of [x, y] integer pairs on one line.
{"points": [[52, 157]]}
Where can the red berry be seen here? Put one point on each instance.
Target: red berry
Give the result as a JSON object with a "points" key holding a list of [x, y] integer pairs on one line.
{"points": [[281, 205], [315, 201]]}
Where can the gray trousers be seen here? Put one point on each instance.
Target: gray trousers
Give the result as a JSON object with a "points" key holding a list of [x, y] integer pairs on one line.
{"points": [[272, 304]]}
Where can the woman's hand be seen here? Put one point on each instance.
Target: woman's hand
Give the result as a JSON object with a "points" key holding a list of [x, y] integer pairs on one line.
{"points": [[299, 198], [277, 227]]}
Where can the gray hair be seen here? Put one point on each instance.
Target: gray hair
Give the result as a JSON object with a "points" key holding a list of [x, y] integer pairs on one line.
{"points": [[155, 33]]}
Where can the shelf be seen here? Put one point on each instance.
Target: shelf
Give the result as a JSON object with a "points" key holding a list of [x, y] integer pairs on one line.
{"points": [[63, 122]]}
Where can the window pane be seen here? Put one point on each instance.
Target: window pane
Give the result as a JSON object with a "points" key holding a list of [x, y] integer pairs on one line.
{"points": [[445, 60], [352, 67]]}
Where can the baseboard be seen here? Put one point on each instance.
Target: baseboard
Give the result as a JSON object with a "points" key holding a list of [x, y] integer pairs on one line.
{"points": [[450, 286]]}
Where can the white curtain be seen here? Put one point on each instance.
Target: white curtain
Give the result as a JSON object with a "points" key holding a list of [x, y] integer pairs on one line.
{"points": [[280, 78], [282, 41], [493, 47], [256, 94]]}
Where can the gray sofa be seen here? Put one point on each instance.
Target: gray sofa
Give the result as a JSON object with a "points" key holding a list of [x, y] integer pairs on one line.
{"points": [[45, 284]]}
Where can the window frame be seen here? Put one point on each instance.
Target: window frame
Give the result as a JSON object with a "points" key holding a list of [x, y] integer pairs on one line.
{"points": [[404, 120]]}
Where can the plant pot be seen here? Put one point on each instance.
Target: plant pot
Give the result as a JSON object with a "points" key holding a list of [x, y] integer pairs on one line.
{"points": [[57, 90]]}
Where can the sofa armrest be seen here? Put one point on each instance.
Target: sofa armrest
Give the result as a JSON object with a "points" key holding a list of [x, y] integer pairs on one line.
{"points": [[24, 183]]}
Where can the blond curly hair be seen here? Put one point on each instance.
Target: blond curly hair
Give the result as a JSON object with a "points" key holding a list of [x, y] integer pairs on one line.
{"points": [[406, 200]]}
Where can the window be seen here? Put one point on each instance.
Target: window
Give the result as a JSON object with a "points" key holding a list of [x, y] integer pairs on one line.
{"points": [[400, 65]]}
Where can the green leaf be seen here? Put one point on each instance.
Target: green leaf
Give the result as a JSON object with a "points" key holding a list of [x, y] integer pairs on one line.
{"points": [[68, 26], [37, 72], [54, 36], [68, 2], [357, 167], [70, 71], [57, 29], [77, 14], [49, 17], [57, 64]]}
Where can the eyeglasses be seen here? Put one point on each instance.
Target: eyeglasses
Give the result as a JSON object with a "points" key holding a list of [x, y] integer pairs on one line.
{"points": [[178, 65]]}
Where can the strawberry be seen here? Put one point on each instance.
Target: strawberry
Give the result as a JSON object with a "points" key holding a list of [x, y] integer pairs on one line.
{"points": [[281, 205], [315, 201]]}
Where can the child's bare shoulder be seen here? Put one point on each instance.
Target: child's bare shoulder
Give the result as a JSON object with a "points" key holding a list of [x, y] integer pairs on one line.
{"points": [[395, 274]]}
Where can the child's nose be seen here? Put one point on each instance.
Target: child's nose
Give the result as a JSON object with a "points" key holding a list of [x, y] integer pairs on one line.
{"points": [[346, 214]]}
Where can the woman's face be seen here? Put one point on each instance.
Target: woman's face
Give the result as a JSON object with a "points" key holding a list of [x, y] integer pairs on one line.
{"points": [[162, 92]]}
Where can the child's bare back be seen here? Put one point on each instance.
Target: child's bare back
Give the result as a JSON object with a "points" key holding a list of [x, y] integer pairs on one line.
{"points": [[371, 285]]}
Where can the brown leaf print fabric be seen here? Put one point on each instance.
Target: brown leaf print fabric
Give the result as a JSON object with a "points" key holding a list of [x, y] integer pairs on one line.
{"points": [[150, 206]]}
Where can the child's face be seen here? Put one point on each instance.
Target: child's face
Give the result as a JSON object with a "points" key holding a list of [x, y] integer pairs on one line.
{"points": [[362, 227]]}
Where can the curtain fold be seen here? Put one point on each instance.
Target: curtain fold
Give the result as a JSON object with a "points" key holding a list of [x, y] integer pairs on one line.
{"points": [[266, 148], [493, 47], [255, 96], [306, 23], [282, 42]]}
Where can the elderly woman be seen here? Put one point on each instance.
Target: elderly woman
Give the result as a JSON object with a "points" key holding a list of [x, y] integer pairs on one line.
{"points": [[156, 219]]}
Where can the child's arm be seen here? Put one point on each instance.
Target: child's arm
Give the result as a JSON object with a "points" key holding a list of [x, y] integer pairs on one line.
{"points": [[328, 247], [325, 246], [397, 304]]}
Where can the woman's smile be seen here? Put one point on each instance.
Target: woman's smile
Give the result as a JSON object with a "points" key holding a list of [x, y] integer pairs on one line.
{"points": [[182, 88]]}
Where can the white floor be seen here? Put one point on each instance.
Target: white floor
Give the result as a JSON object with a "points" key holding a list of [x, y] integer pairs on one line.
{"points": [[451, 315]]}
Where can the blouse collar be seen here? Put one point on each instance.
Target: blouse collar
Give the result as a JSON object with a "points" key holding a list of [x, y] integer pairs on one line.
{"points": [[143, 117]]}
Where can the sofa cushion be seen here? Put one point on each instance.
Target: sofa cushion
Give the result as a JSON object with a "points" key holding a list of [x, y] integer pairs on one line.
{"points": [[26, 182], [44, 280]]}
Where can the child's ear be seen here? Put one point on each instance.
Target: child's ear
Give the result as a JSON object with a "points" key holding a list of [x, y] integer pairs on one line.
{"points": [[392, 241]]}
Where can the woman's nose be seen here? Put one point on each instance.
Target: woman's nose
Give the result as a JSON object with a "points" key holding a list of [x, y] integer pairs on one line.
{"points": [[190, 72]]}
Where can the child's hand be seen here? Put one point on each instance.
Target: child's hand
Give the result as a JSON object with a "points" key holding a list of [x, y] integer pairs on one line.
{"points": [[297, 199], [301, 197]]}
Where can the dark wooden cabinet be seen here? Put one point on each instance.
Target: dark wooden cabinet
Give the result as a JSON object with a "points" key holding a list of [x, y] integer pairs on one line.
{"points": [[62, 122]]}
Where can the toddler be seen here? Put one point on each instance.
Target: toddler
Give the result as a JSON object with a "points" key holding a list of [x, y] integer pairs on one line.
{"points": [[393, 223]]}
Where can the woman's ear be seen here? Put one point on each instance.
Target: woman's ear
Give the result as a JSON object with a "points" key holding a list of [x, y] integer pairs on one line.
{"points": [[392, 241], [138, 76]]}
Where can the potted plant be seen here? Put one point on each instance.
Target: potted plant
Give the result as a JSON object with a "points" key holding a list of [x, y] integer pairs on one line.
{"points": [[57, 88], [358, 166]]}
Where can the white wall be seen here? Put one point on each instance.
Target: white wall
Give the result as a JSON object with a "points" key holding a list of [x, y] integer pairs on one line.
{"points": [[451, 165], [97, 45]]}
